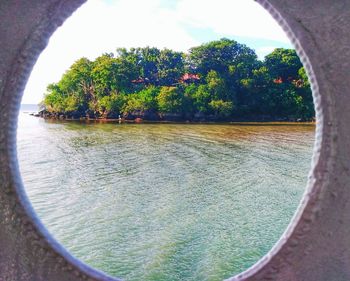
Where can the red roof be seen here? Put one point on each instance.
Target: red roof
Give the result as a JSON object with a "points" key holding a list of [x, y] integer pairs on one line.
{"points": [[278, 80], [189, 76]]}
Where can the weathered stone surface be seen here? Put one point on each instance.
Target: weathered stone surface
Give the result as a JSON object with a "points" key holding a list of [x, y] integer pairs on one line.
{"points": [[314, 247]]}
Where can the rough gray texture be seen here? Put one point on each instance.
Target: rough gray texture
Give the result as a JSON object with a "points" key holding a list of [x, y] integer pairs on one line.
{"points": [[316, 244]]}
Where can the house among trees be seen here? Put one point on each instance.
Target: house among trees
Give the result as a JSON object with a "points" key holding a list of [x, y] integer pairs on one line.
{"points": [[189, 78], [278, 80], [219, 80]]}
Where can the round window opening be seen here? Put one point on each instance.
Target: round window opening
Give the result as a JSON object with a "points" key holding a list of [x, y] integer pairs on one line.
{"points": [[167, 161]]}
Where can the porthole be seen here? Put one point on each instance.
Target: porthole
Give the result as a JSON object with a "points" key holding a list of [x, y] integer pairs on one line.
{"points": [[14, 202]]}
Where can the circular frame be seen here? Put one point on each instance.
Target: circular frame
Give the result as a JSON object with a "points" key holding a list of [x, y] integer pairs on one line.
{"points": [[314, 246]]}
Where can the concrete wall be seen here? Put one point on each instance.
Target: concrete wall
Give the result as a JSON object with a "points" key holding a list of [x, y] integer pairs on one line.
{"points": [[316, 244]]}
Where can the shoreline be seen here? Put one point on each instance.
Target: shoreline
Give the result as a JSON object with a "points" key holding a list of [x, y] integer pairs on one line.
{"points": [[188, 122]]}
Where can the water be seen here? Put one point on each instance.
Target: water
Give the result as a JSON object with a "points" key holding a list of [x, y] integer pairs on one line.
{"points": [[165, 202]]}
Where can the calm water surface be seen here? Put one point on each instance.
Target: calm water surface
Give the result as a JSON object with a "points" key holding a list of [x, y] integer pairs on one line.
{"points": [[165, 202]]}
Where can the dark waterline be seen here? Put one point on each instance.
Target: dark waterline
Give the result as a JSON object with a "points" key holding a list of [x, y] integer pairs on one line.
{"points": [[165, 202]]}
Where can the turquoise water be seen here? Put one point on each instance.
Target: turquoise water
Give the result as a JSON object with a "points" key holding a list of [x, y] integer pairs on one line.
{"points": [[165, 201]]}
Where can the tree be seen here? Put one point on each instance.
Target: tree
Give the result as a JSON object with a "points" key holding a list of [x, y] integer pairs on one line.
{"points": [[170, 67], [141, 102], [112, 75], [75, 82], [307, 110], [149, 64], [218, 56], [252, 91], [103, 74], [289, 93], [201, 99], [221, 109], [170, 100], [230, 60], [283, 64], [232, 83], [216, 85], [112, 105], [54, 99], [303, 77]]}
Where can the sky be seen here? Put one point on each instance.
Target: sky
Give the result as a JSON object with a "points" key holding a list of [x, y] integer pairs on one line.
{"points": [[101, 26]]}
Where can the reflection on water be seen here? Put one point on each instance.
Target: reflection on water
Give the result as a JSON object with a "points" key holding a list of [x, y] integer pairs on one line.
{"points": [[165, 202]]}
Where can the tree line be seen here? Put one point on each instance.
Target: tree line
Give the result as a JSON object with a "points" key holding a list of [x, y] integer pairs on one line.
{"points": [[219, 80]]}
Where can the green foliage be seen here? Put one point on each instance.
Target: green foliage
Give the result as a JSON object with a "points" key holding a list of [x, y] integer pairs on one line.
{"points": [[54, 99], [170, 67], [113, 103], [224, 79], [133, 104], [142, 101], [112, 75], [221, 108], [201, 99], [303, 76], [170, 100], [221, 56], [283, 63], [216, 85]]}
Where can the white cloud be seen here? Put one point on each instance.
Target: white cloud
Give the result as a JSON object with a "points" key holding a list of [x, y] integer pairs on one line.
{"points": [[100, 26], [232, 17]]}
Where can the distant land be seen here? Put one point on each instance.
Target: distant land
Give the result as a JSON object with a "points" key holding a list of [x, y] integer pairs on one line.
{"points": [[221, 80]]}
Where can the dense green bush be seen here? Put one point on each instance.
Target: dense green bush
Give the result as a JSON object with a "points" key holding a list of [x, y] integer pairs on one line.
{"points": [[221, 79]]}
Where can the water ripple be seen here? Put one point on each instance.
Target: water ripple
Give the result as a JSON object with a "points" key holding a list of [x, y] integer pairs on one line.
{"points": [[165, 202]]}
